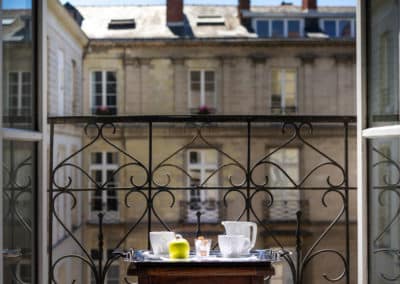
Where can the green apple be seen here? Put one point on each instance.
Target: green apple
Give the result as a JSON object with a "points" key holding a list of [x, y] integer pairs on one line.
{"points": [[179, 248]]}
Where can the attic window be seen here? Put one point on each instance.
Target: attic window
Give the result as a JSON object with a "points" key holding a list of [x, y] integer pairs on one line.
{"points": [[210, 20], [122, 24]]}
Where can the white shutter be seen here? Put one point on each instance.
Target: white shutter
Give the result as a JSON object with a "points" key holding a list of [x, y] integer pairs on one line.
{"points": [[60, 82]]}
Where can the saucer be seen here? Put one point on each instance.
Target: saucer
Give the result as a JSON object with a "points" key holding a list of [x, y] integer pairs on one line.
{"points": [[150, 255]]}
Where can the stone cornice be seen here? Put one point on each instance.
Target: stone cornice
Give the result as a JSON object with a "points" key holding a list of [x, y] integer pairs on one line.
{"points": [[307, 58]]}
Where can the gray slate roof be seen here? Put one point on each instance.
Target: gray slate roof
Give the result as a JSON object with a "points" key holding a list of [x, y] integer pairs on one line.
{"points": [[151, 20]]}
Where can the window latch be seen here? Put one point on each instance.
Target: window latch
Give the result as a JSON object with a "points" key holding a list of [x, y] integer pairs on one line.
{"points": [[11, 253]]}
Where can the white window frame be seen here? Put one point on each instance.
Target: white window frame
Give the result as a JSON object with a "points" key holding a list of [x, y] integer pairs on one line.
{"points": [[38, 136], [286, 195], [60, 82], [19, 91], [285, 26], [337, 21], [283, 71], [103, 167], [202, 88], [363, 134], [103, 88], [202, 167]]}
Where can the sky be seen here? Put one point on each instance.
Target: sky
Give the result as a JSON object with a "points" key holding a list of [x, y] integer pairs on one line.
{"points": [[13, 4]]}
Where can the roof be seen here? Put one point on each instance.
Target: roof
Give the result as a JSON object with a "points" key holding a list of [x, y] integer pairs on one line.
{"points": [[151, 20]]}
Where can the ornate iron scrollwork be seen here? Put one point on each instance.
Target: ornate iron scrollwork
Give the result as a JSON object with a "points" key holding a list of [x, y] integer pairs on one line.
{"points": [[157, 182]]}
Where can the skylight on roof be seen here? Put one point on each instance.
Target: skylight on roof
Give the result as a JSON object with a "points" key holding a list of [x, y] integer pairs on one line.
{"points": [[210, 20], [121, 24]]}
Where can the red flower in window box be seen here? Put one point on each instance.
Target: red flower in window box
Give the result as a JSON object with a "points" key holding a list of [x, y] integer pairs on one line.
{"points": [[204, 110], [103, 110]]}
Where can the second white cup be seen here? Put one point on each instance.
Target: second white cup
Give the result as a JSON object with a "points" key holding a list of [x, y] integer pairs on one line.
{"points": [[232, 246]]}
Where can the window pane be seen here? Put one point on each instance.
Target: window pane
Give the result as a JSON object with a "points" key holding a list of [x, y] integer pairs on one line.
{"points": [[277, 29], [194, 157], [330, 28], [98, 101], [276, 82], [263, 28], [293, 28], [18, 64], [112, 201], [97, 77], [111, 100], [210, 99], [111, 88], [195, 86], [98, 88], [96, 158], [382, 57], [345, 28], [195, 99], [19, 190], [97, 202], [195, 76], [209, 76], [112, 158], [111, 77], [384, 230]]}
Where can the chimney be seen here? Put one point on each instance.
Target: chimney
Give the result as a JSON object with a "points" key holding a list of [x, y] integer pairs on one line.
{"points": [[243, 5], [309, 5], [174, 12]]}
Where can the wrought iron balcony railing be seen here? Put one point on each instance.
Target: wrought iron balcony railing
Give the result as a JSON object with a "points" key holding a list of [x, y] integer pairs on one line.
{"points": [[156, 169]]}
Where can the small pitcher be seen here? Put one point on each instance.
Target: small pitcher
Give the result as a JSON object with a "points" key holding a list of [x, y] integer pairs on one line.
{"points": [[247, 229]]}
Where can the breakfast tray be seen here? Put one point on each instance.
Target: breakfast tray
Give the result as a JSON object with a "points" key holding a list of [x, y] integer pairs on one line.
{"points": [[265, 255]]}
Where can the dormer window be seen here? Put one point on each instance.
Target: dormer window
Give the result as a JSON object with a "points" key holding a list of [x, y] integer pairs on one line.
{"points": [[338, 28], [279, 28], [210, 20], [121, 24]]}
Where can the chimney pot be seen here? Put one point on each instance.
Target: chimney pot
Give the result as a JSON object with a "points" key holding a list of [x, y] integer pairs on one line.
{"points": [[309, 5], [243, 5], [174, 11]]}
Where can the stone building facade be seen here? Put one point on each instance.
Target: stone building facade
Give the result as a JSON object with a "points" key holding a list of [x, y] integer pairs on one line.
{"points": [[182, 60]]}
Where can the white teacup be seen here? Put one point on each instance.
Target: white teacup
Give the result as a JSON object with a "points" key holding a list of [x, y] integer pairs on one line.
{"points": [[233, 245], [159, 241]]}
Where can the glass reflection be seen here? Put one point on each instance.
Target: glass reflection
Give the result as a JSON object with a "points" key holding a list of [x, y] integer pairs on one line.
{"points": [[384, 210], [18, 95], [18, 189], [383, 67]]}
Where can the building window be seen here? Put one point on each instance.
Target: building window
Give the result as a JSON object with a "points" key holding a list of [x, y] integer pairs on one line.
{"points": [[345, 29], [202, 164], [262, 28], [293, 28], [284, 91], [104, 92], [285, 28], [19, 94], [202, 90], [287, 202], [338, 28], [278, 29], [102, 167]]}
